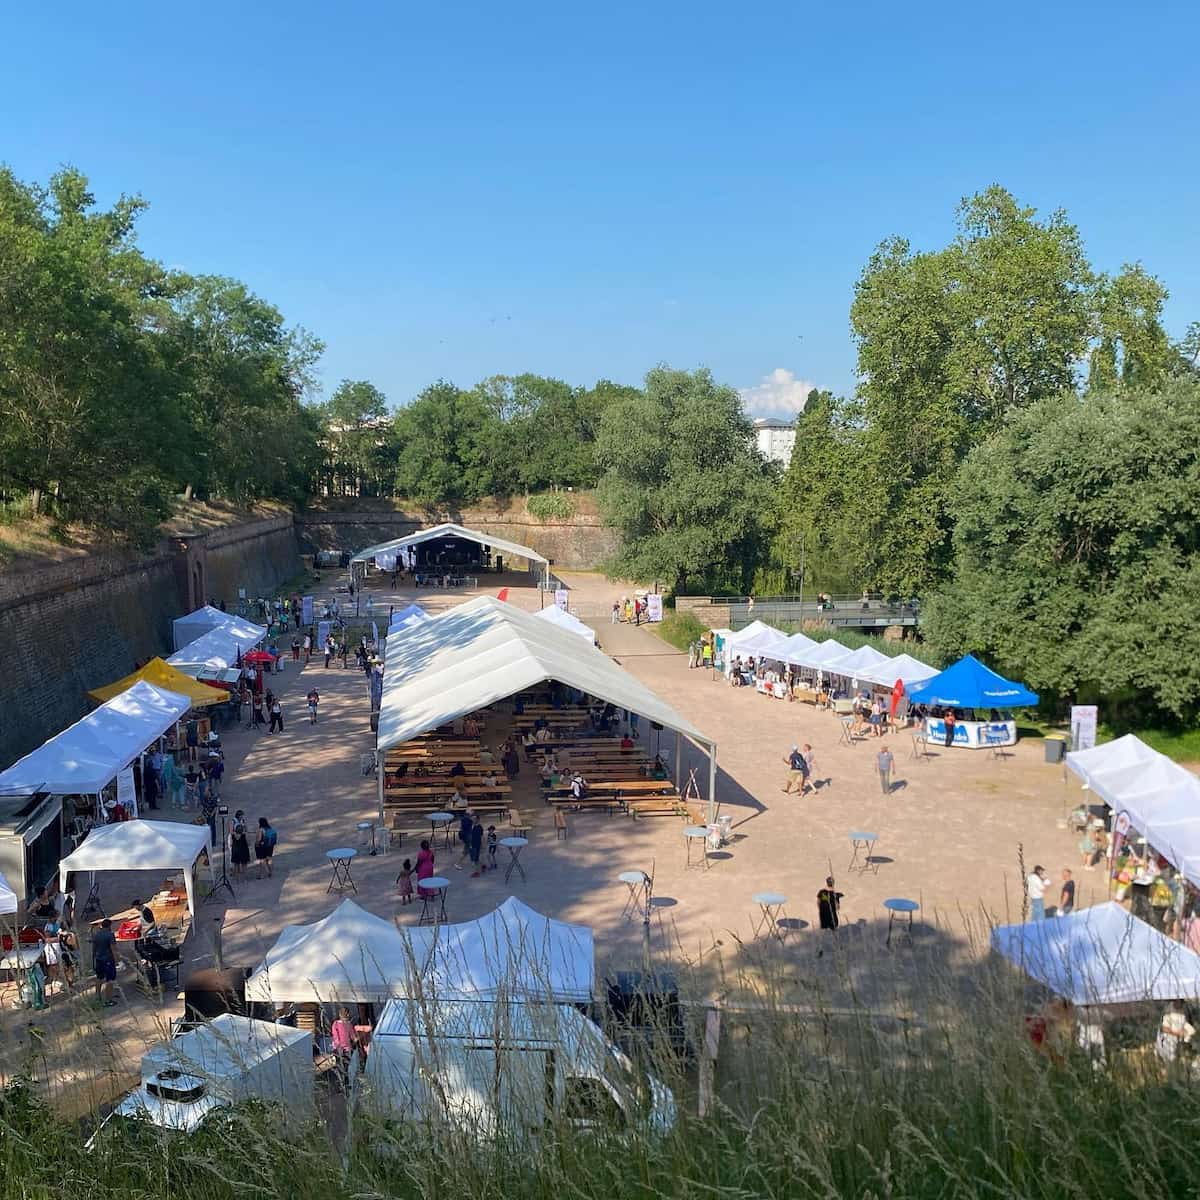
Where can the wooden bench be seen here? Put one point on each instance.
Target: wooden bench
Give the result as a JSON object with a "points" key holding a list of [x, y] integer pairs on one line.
{"points": [[560, 825], [661, 806], [419, 788], [632, 787]]}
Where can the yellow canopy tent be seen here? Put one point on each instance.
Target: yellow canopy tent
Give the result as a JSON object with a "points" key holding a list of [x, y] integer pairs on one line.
{"points": [[163, 675]]}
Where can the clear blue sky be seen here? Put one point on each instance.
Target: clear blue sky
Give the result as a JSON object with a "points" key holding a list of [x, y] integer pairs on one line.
{"points": [[585, 190]]}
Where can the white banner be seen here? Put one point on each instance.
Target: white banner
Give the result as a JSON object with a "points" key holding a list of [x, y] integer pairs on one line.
{"points": [[126, 794], [374, 632], [323, 628], [1083, 726], [560, 598], [306, 610], [654, 607]]}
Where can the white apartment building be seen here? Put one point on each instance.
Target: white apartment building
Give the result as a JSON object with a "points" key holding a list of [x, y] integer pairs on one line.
{"points": [[775, 439]]}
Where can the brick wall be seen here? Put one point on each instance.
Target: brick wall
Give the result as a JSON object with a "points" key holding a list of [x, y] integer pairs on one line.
{"points": [[68, 627]]}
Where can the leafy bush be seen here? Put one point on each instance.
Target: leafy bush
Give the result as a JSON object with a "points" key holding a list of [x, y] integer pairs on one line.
{"points": [[680, 629], [551, 506]]}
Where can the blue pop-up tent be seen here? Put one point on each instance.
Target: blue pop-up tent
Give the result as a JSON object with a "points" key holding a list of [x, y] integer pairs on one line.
{"points": [[969, 684]]}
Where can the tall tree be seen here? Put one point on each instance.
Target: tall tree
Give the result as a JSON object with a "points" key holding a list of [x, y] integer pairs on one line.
{"points": [[683, 482], [1076, 549], [358, 435], [1131, 347]]}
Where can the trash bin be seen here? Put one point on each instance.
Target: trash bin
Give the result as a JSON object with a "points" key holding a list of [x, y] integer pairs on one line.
{"points": [[1056, 747]]}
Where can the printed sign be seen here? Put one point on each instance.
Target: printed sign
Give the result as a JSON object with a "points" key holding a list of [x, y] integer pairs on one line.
{"points": [[1083, 726], [126, 795], [306, 610], [560, 598], [654, 607]]}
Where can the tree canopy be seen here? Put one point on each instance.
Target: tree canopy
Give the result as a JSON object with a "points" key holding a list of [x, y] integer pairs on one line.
{"points": [[683, 481]]}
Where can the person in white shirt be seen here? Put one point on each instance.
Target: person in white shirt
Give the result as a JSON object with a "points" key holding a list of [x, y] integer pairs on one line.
{"points": [[1174, 1032], [1036, 883]]}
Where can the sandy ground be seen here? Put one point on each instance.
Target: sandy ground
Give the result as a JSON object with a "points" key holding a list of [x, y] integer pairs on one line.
{"points": [[951, 836]]}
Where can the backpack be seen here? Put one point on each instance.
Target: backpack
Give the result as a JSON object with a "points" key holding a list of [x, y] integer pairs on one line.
{"points": [[270, 836]]}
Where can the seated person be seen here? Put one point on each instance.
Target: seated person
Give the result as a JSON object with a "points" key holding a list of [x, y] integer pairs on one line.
{"points": [[542, 734], [458, 800], [659, 770], [486, 757], [489, 781], [626, 743], [579, 787], [457, 769]]}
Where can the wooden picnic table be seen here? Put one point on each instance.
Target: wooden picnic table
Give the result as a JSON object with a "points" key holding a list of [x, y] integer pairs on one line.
{"points": [[557, 743], [440, 789], [470, 771], [629, 786]]}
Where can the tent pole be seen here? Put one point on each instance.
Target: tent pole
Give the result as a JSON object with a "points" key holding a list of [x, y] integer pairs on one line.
{"points": [[678, 755], [712, 782], [379, 757]]}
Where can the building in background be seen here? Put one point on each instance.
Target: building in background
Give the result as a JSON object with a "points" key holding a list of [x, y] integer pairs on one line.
{"points": [[775, 439]]}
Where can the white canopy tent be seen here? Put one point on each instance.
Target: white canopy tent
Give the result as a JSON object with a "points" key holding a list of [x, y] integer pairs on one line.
{"points": [[512, 951], [353, 955], [857, 664], [347, 956], [1161, 798], [141, 846], [219, 648], [1101, 955], [187, 629], [903, 666], [821, 654], [796, 644], [448, 529], [564, 620], [733, 642], [87, 756], [484, 651], [411, 614], [766, 643]]}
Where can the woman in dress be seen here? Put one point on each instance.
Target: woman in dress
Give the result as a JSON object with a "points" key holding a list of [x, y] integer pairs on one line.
{"points": [[239, 847], [424, 868]]}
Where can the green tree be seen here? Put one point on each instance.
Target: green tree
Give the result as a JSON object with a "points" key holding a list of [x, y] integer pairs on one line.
{"points": [[358, 436], [1131, 348], [951, 344], [683, 482], [1077, 552]]}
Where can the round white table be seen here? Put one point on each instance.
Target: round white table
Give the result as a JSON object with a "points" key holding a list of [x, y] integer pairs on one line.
{"points": [[439, 820], [340, 859], [365, 827], [771, 910], [433, 899], [693, 834], [866, 843], [897, 904], [637, 903], [514, 845]]}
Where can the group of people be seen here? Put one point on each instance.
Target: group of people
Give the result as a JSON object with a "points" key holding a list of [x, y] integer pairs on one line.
{"points": [[630, 611], [266, 837]]}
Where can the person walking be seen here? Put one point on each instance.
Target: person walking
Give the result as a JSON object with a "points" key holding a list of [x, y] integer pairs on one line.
{"points": [[424, 869], [829, 906], [329, 650], [616, 612], [295, 649], [1066, 894], [476, 843], [465, 822], [796, 771], [307, 648], [276, 716], [404, 882], [264, 846], [1036, 883], [104, 962], [706, 654], [884, 762], [312, 700], [810, 767]]}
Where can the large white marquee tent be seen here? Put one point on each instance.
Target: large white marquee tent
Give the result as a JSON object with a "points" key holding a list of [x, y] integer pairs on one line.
{"points": [[87, 756], [141, 846], [484, 651], [448, 529], [1101, 955]]}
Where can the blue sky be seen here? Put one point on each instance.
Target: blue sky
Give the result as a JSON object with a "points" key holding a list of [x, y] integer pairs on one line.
{"points": [[583, 191]]}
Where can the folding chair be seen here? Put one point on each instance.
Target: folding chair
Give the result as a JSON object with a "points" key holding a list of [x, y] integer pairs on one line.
{"points": [[847, 724], [920, 746]]}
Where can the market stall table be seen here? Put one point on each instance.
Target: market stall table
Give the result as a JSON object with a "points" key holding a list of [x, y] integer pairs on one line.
{"points": [[365, 827], [514, 845], [692, 835], [340, 859], [638, 901], [440, 820]]}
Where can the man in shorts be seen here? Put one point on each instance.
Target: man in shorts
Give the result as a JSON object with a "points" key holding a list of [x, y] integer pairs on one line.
{"points": [[797, 771], [104, 960]]}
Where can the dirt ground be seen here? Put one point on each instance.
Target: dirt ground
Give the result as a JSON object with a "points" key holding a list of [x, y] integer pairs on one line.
{"points": [[951, 836]]}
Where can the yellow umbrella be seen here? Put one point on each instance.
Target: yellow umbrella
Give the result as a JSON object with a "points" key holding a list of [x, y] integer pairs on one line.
{"points": [[163, 675]]}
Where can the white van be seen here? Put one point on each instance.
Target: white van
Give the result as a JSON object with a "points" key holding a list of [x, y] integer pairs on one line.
{"points": [[491, 1065], [214, 1065]]}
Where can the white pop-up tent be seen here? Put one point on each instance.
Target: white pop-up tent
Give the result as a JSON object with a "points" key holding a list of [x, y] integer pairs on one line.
{"points": [[1161, 798], [219, 648], [1101, 955], [388, 551], [141, 846], [857, 664], [410, 614], [484, 651], [796, 645], [766, 643], [903, 666], [819, 656], [564, 620], [187, 629], [514, 951], [87, 756], [350, 955]]}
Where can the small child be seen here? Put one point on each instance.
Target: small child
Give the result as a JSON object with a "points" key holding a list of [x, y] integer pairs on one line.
{"points": [[404, 882], [492, 842]]}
